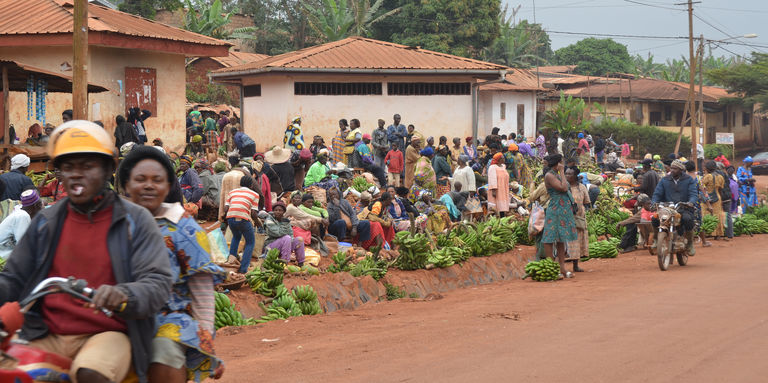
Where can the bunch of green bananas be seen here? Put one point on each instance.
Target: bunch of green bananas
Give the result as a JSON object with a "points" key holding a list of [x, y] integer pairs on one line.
{"points": [[467, 234], [596, 223], [709, 224], [226, 315], [375, 267], [604, 249], [761, 212], [521, 233], [39, 177], [341, 263], [266, 280], [544, 270], [306, 298], [441, 258], [2, 264], [448, 240], [458, 254], [749, 224], [499, 234], [360, 184], [414, 250]]}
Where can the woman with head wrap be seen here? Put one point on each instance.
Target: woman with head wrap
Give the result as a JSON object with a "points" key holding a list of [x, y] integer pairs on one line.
{"points": [[338, 144], [559, 223], [320, 173], [424, 173], [522, 170], [195, 146], [280, 235], [379, 213], [301, 161], [294, 137], [259, 171], [318, 144], [498, 185], [469, 149], [541, 146]]}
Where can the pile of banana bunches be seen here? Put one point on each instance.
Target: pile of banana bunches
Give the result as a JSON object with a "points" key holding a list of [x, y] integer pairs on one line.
{"points": [[301, 301], [227, 315], [541, 271]]}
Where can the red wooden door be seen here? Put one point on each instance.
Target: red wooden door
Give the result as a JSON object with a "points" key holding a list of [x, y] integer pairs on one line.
{"points": [[141, 89]]}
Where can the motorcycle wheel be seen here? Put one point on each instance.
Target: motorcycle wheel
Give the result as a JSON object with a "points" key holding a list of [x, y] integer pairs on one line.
{"points": [[682, 257], [664, 250]]}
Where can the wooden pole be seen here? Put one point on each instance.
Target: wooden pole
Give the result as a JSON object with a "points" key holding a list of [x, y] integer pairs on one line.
{"points": [[701, 87], [691, 82], [6, 116], [683, 121], [80, 59]]}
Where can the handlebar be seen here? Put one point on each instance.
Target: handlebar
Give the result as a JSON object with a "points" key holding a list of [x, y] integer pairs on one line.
{"points": [[77, 288]]}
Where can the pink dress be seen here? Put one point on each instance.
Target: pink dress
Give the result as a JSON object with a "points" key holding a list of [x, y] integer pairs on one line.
{"points": [[498, 180], [625, 150]]}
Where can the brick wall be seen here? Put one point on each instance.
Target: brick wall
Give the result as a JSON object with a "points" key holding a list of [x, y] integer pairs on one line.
{"points": [[176, 19], [197, 77]]}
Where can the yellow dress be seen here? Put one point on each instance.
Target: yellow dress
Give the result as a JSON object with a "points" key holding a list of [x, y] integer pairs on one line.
{"points": [[713, 183]]}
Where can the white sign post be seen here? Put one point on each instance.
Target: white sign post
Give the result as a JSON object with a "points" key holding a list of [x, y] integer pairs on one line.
{"points": [[726, 139]]}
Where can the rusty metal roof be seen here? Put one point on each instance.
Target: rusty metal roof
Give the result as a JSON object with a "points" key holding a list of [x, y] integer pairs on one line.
{"points": [[644, 89], [18, 75], [40, 17], [516, 80], [363, 55], [239, 58], [557, 68]]}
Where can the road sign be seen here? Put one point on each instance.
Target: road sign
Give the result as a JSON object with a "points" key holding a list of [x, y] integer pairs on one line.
{"points": [[724, 138]]}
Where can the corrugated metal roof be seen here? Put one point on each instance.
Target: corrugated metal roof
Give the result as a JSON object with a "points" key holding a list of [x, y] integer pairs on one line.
{"points": [[358, 53], [645, 89], [557, 68], [516, 80], [36, 17], [239, 58]]}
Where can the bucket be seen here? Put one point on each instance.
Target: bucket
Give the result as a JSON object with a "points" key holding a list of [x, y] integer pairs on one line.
{"points": [[344, 246]]}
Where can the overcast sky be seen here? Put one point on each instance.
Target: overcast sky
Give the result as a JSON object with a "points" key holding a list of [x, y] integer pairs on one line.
{"points": [[651, 18]]}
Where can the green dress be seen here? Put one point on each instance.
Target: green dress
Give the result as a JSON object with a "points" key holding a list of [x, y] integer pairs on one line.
{"points": [[559, 224]]}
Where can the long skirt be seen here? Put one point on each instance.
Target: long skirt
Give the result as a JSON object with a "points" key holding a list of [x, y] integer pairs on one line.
{"points": [[580, 247], [717, 211], [386, 233]]}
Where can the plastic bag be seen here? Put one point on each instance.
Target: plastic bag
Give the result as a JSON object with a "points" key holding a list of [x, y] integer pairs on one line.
{"points": [[219, 249], [536, 220]]}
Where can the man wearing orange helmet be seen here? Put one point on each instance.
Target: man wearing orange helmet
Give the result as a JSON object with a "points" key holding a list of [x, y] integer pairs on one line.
{"points": [[97, 236]]}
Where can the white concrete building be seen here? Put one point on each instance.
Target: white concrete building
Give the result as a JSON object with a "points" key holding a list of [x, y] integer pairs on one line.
{"points": [[367, 79]]}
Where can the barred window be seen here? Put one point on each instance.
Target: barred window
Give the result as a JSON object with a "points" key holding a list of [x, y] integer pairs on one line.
{"points": [[428, 88], [336, 88], [252, 91]]}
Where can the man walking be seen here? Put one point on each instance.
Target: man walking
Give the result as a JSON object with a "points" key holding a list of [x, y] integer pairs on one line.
{"points": [[16, 181]]}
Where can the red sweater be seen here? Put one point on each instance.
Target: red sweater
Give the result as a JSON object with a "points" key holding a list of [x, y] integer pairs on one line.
{"points": [[394, 161], [82, 253]]}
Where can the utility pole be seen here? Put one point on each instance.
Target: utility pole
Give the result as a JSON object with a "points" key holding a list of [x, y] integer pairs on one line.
{"points": [[692, 82], [80, 59], [700, 53]]}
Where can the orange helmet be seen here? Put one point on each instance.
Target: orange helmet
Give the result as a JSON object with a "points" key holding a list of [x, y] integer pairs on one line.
{"points": [[80, 137]]}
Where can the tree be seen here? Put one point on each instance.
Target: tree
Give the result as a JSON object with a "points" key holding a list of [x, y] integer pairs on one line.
{"points": [[646, 67], [209, 21], [281, 25], [338, 19], [146, 8], [569, 115], [749, 79], [595, 57], [460, 27], [520, 45]]}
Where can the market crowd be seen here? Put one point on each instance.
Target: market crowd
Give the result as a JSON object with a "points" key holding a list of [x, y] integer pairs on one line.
{"points": [[136, 199]]}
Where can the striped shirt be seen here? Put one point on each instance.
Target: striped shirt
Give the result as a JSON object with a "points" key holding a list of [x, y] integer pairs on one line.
{"points": [[241, 201]]}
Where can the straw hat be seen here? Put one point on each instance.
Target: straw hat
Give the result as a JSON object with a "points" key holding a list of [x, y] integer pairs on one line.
{"points": [[277, 155]]}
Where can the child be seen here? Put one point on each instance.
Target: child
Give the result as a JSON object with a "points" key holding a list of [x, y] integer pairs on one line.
{"points": [[394, 161]]}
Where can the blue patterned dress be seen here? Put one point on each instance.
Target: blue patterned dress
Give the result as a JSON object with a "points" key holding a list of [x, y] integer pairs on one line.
{"points": [[559, 224], [747, 192], [189, 253]]}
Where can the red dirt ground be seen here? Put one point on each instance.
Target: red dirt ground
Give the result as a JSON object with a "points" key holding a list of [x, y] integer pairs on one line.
{"points": [[622, 320]]}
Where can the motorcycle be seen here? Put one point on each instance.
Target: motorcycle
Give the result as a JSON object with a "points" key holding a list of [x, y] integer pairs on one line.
{"points": [[671, 239], [20, 363]]}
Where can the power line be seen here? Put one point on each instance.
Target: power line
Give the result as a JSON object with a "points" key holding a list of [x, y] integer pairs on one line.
{"points": [[653, 5]]}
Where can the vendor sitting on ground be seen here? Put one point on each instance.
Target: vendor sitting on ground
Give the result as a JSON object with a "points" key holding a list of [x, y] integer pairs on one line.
{"points": [[455, 201], [280, 235], [320, 173], [191, 185], [304, 223], [437, 215], [344, 220], [212, 180], [379, 213]]}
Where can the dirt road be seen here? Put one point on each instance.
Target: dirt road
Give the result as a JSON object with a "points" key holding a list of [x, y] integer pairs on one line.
{"points": [[622, 321]]}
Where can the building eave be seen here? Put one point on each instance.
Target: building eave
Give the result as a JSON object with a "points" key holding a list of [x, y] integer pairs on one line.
{"points": [[491, 74]]}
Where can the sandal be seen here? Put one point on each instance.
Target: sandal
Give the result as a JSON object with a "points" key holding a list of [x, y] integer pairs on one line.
{"points": [[560, 276], [707, 244], [569, 274]]}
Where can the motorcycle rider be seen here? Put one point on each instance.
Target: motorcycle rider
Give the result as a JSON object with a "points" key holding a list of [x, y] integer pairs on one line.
{"points": [[96, 236], [676, 187]]}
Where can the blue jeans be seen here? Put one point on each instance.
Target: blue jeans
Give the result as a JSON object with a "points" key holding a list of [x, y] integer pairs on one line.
{"points": [[242, 228]]}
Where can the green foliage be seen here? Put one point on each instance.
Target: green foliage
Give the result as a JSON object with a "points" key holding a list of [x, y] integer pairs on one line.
{"points": [[749, 79], [595, 57], [713, 150], [214, 94], [394, 292], [280, 26], [567, 116], [459, 27], [336, 19], [208, 20], [146, 8], [646, 139], [520, 45]]}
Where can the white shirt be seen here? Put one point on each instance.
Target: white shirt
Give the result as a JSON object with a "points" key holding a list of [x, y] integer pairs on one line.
{"points": [[12, 229], [466, 176], [560, 145], [699, 151]]}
